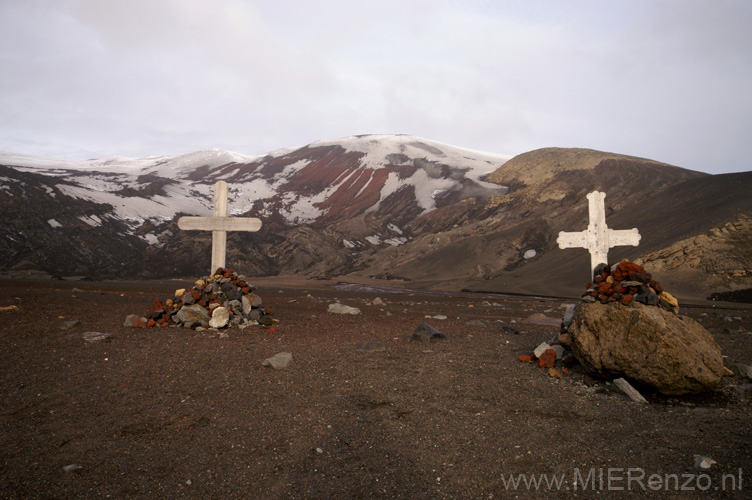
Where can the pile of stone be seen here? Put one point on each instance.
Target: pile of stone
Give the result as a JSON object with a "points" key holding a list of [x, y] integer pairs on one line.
{"points": [[221, 300], [627, 326], [626, 282]]}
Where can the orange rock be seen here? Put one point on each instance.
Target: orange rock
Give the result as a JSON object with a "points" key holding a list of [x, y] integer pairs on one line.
{"points": [[526, 358], [272, 330], [547, 359], [151, 323], [627, 299], [554, 373], [565, 371]]}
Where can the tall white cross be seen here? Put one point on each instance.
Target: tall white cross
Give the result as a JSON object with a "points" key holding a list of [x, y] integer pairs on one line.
{"points": [[598, 238], [219, 224]]}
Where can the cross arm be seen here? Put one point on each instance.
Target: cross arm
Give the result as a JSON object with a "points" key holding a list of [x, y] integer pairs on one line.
{"points": [[219, 223], [623, 237], [572, 240]]}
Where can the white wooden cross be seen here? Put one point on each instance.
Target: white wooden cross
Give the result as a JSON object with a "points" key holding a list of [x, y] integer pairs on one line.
{"points": [[219, 224], [598, 238]]}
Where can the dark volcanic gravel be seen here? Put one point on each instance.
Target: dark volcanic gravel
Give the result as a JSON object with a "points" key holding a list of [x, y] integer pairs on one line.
{"points": [[174, 413]]}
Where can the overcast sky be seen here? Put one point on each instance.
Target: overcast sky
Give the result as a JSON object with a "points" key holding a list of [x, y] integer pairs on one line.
{"points": [[669, 80]]}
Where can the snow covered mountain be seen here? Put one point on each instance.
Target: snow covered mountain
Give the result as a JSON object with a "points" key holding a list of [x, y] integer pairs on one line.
{"points": [[388, 179], [323, 181]]}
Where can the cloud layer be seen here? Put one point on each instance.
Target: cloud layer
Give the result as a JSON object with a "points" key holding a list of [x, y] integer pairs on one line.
{"points": [[667, 80]]}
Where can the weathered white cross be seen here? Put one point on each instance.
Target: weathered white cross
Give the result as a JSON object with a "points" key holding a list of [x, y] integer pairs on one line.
{"points": [[219, 224], [598, 238]]}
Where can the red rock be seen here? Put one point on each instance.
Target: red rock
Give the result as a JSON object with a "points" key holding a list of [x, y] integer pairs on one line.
{"points": [[220, 271], [641, 277], [625, 268], [156, 306], [196, 294], [617, 288], [202, 303], [139, 323], [565, 371], [526, 358], [245, 289], [164, 324], [657, 287], [547, 359], [272, 330], [589, 286], [627, 299], [269, 311], [151, 323], [604, 287]]}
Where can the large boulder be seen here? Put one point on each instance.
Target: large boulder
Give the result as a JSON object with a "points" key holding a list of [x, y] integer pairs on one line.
{"points": [[673, 354]]}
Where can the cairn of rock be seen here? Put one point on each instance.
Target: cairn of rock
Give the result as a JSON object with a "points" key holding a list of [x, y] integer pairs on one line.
{"points": [[627, 326], [221, 300], [625, 282]]}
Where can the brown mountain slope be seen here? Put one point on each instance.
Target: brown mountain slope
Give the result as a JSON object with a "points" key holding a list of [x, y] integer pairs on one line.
{"points": [[484, 245]]}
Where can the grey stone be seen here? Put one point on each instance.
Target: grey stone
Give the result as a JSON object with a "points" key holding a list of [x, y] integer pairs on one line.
{"points": [[192, 313], [479, 323], [231, 291], [254, 299], [740, 370], [279, 361], [236, 307], [72, 467], [219, 318], [425, 329], [188, 298], [378, 302], [130, 320], [92, 337], [703, 463], [559, 351], [338, 308], [247, 306], [371, 346], [647, 298], [67, 325], [568, 315], [628, 283], [588, 298], [630, 391]]}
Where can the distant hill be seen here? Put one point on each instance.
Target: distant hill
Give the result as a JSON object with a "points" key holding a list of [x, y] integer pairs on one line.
{"points": [[391, 206]]}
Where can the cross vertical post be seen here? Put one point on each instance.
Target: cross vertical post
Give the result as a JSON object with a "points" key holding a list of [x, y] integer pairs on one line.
{"points": [[219, 238], [219, 224]]}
